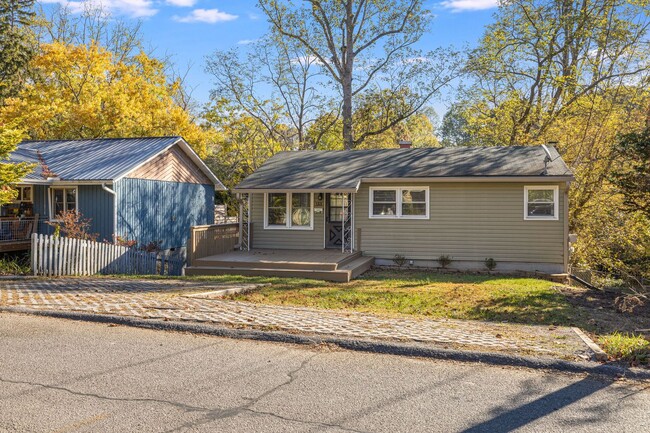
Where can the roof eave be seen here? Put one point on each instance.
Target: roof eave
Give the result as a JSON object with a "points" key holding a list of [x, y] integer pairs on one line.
{"points": [[542, 178]]}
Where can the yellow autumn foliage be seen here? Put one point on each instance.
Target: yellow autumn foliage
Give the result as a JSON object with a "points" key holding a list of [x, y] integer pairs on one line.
{"points": [[80, 91]]}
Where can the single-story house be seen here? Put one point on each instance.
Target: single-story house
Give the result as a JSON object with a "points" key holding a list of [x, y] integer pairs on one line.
{"points": [[143, 189], [469, 203]]}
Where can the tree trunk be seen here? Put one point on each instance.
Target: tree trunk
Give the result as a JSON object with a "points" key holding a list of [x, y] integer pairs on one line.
{"points": [[347, 57], [348, 132]]}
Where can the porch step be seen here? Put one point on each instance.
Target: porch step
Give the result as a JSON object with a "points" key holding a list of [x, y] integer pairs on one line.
{"points": [[272, 263], [344, 274]]}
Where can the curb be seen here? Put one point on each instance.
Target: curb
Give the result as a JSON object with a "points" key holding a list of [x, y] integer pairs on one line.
{"points": [[599, 354], [360, 345]]}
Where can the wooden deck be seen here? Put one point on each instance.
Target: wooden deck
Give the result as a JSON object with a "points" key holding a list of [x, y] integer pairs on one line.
{"points": [[9, 246], [332, 265]]}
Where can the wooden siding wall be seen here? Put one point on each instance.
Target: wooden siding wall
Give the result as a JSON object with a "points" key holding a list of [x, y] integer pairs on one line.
{"points": [[468, 221], [284, 238], [150, 210], [172, 166], [93, 203]]}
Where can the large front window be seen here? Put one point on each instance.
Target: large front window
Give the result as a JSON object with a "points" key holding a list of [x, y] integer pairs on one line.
{"points": [[399, 202], [541, 202], [288, 210], [62, 200]]}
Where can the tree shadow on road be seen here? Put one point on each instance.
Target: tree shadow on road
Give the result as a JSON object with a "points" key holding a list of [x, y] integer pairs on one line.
{"points": [[512, 419]]}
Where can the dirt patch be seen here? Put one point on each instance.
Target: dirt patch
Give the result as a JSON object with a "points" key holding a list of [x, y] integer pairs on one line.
{"points": [[606, 312]]}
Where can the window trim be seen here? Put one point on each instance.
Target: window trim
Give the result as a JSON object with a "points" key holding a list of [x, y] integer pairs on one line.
{"points": [[21, 194], [398, 198], [556, 202], [50, 197], [288, 225]]}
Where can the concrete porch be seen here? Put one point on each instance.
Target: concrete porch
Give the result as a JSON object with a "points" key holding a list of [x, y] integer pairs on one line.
{"points": [[324, 264]]}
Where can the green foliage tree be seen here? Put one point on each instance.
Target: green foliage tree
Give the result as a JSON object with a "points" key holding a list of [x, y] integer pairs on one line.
{"points": [[454, 129], [631, 176], [576, 73], [10, 173], [367, 45], [17, 44]]}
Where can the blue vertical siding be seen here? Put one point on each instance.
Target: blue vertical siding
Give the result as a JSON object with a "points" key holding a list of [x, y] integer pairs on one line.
{"points": [[40, 200], [152, 211], [95, 203], [92, 202]]}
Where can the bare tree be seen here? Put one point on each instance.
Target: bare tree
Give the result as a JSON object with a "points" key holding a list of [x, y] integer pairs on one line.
{"points": [[95, 24], [278, 84], [364, 45]]}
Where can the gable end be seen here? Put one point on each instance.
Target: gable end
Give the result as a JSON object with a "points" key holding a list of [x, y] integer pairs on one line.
{"points": [[173, 165]]}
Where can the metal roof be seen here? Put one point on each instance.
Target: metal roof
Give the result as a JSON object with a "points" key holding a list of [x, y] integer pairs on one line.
{"points": [[344, 170], [103, 159]]}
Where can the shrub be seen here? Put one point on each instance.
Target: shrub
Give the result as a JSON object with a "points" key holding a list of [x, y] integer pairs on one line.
{"points": [[628, 347], [490, 264], [72, 224], [399, 260], [444, 260]]}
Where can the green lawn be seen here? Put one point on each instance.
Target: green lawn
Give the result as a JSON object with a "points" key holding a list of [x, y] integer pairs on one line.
{"points": [[458, 296]]}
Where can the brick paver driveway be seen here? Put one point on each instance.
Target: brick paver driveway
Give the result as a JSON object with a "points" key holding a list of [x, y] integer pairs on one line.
{"points": [[167, 299]]}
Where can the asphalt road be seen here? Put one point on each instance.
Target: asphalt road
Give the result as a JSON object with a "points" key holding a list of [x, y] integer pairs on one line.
{"points": [[64, 376]]}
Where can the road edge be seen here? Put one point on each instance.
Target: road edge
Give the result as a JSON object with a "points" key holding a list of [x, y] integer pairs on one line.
{"points": [[410, 349]]}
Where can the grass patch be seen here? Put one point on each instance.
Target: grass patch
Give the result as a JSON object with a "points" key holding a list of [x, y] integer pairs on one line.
{"points": [[628, 347], [14, 264], [425, 294]]}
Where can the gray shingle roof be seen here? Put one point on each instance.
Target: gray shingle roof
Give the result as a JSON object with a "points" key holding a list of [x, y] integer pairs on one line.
{"points": [[103, 159], [343, 170]]}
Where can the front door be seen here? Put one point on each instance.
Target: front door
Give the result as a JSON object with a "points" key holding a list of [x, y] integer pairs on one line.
{"points": [[334, 220]]}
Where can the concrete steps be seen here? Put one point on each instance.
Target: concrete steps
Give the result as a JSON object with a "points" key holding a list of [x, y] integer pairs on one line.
{"points": [[342, 272], [274, 264]]}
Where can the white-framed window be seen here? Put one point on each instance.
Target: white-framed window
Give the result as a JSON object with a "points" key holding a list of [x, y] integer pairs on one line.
{"points": [[25, 194], [541, 202], [62, 199], [407, 202], [289, 210]]}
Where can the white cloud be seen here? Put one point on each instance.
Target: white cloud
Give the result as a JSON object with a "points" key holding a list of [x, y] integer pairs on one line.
{"points": [[181, 3], [131, 8], [306, 60], [253, 16], [469, 5], [210, 16], [247, 41]]}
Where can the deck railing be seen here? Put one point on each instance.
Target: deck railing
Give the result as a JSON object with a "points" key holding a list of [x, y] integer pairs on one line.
{"points": [[17, 229], [209, 240]]}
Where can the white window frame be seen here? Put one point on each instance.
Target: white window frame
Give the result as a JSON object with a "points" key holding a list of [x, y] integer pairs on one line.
{"points": [[398, 197], [51, 199], [20, 189], [289, 225], [556, 202]]}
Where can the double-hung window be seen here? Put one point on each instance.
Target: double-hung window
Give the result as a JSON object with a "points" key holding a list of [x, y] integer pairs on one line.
{"points": [[62, 200], [541, 202], [288, 211], [399, 202]]}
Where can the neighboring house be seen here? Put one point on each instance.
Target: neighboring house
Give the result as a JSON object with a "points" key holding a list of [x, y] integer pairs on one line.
{"points": [[142, 189], [471, 203]]}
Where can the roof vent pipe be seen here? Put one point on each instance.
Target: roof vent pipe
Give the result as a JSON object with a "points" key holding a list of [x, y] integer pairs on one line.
{"points": [[403, 144]]}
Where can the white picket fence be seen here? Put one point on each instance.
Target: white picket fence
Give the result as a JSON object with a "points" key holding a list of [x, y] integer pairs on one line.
{"points": [[55, 255]]}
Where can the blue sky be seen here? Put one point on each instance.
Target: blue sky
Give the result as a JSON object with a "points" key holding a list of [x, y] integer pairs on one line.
{"points": [[189, 30]]}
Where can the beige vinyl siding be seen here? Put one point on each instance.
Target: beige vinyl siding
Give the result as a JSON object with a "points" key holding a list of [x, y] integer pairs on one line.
{"points": [[284, 238], [468, 221]]}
